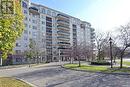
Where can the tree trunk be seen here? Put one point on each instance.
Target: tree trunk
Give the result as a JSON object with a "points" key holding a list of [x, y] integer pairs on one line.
{"points": [[99, 55], [29, 62], [70, 60], [79, 62], [122, 54], [1, 62], [121, 61]]}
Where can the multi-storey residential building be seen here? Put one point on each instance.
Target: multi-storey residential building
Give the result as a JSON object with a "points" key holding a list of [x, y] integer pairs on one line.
{"points": [[53, 32]]}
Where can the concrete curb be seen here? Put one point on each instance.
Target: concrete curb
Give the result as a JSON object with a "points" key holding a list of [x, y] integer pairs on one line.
{"points": [[95, 72], [25, 82], [12, 67]]}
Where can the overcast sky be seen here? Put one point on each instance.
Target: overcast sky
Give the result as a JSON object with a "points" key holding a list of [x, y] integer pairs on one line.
{"points": [[104, 15]]}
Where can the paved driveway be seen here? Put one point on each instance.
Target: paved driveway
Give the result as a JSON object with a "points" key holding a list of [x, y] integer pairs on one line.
{"points": [[55, 76]]}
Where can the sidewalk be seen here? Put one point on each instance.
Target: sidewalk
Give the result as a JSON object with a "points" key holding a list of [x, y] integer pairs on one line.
{"points": [[34, 65], [13, 66]]}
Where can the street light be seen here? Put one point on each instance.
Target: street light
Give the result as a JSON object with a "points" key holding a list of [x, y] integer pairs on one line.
{"points": [[111, 51]]}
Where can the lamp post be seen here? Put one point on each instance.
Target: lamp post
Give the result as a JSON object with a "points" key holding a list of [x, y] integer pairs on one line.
{"points": [[111, 51]]}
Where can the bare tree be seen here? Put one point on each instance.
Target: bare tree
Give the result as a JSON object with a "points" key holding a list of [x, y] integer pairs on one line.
{"points": [[87, 52], [101, 42], [72, 53], [124, 39], [79, 53]]}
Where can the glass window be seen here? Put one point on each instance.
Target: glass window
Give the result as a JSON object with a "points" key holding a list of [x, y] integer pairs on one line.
{"points": [[26, 18], [24, 4], [25, 12], [26, 25], [48, 12], [17, 45], [43, 22], [25, 38], [18, 59], [43, 11], [34, 27], [54, 14], [34, 21], [25, 45], [34, 33], [25, 32], [29, 26], [29, 32]]}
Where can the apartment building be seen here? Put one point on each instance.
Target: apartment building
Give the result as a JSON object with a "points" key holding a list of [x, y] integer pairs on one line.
{"points": [[53, 32]]}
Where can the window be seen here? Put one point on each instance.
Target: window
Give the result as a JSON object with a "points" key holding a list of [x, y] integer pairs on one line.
{"points": [[48, 12], [34, 33], [29, 32], [34, 27], [17, 45], [43, 28], [25, 38], [18, 51], [26, 25], [25, 12], [43, 11], [34, 15], [24, 4], [43, 22], [53, 14], [18, 60], [34, 21], [43, 16], [43, 40], [26, 18], [25, 45], [29, 26], [49, 19], [25, 32]]}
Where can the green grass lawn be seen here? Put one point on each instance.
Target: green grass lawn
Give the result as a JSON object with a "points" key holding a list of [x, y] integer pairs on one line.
{"points": [[11, 82], [125, 63], [98, 68], [86, 67]]}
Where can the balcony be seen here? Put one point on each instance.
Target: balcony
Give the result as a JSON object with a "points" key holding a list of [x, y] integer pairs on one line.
{"points": [[63, 33], [33, 10], [63, 39], [63, 43], [63, 27], [62, 16], [63, 48], [63, 21]]}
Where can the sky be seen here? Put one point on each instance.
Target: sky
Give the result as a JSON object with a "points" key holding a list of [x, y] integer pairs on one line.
{"points": [[104, 15]]}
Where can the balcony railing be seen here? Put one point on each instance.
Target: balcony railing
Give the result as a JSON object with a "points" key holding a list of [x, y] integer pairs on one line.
{"points": [[61, 15], [64, 40], [62, 37], [63, 27], [63, 21], [64, 33], [33, 10], [63, 43]]}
